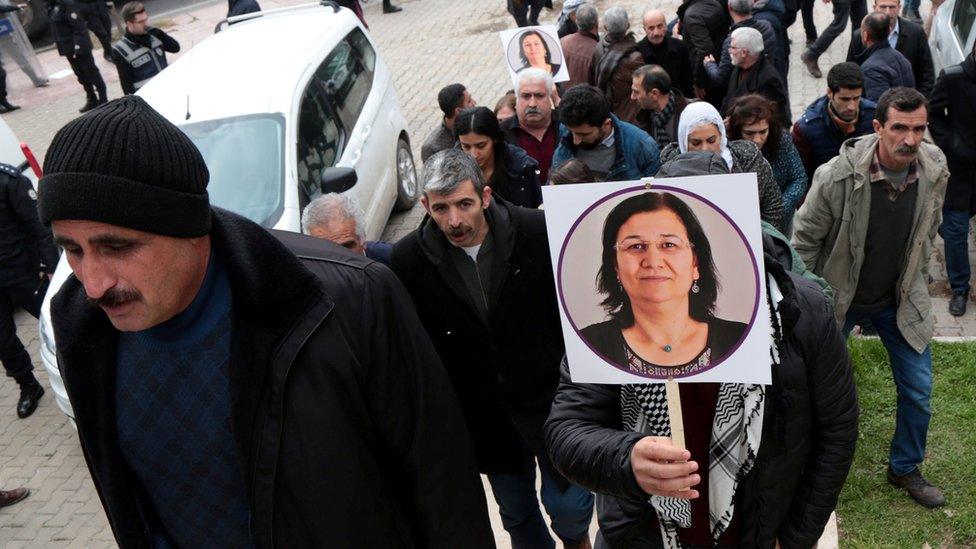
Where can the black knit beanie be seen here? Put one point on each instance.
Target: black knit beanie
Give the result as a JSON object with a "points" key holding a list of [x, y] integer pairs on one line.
{"points": [[124, 164]]}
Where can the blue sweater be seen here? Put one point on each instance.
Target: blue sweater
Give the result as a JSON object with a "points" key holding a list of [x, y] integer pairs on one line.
{"points": [[172, 398]]}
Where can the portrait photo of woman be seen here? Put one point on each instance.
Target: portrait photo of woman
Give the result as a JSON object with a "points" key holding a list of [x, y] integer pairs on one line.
{"points": [[534, 51], [659, 286]]}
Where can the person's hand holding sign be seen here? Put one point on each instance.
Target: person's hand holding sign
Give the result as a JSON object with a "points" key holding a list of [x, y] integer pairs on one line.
{"points": [[662, 469]]}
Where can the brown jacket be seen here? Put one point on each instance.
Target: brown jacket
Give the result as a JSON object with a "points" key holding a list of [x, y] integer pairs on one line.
{"points": [[578, 51], [614, 61]]}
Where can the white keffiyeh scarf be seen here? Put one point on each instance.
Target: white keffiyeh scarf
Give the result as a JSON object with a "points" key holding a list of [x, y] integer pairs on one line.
{"points": [[734, 444]]}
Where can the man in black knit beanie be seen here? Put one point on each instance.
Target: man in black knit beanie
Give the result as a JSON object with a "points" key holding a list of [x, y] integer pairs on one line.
{"points": [[226, 392]]}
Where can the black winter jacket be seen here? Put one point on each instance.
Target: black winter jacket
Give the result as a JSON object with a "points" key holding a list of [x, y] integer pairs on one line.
{"points": [[26, 247], [764, 79], [516, 178], [70, 30], [952, 121], [673, 56], [884, 68], [704, 26], [809, 432], [914, 45], [504, 373], [346, 428]]}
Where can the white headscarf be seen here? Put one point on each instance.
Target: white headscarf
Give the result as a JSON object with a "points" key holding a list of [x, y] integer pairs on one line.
{"points": [[698, 114]]}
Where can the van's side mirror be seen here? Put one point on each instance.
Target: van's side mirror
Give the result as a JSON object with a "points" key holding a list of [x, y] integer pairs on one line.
{"points": [[338, 180]]}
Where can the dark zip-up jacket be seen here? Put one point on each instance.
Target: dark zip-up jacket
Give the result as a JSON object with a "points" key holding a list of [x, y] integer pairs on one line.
{"points": [[516, 178], [346, 428], [70, 30], [914, 45], [817, 137], [952, 121], [26, 247], [808, 437], [884, 68], [504, 371]]}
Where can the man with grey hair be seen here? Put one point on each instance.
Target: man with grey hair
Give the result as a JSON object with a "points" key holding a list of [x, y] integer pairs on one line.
{"points": [[479, 273], [659, 48], [578, 47], [753, 72], [338, 218], [614, 61], [741, 13], [534, 127]]}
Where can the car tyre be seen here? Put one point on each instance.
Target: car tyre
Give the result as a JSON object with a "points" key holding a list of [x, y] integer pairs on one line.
{"points": [[408, 187]]}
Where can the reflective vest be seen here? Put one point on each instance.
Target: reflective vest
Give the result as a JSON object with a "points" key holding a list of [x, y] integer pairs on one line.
{"points": [[145, 62]]}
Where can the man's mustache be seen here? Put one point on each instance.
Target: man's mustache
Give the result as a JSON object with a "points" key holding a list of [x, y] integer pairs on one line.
{"points": [[907, 149], [115, 297], [532, 110]]}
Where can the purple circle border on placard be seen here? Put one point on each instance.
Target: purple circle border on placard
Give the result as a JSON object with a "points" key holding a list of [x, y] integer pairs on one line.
{"points": [[656, 188]]}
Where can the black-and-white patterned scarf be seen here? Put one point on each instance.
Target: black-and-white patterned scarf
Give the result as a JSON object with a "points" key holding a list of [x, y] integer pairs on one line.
{"points": [[734, 444], [660, 121]]}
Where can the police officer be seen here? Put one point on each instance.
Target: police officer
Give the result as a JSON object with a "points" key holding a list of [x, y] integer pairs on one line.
{"points": [[5, 106], [99, 22], [27, 260], [141, 53], [73, 42]]}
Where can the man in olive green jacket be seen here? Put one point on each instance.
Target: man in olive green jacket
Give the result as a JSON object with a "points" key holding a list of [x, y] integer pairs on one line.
{"points": [[867, 227]]}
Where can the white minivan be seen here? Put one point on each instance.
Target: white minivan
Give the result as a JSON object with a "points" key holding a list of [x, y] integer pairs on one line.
{"points": [[953, 33], [284, 105]]}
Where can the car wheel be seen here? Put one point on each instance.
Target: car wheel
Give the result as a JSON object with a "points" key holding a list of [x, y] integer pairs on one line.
{"points": [[407, 186], [33, 17]]}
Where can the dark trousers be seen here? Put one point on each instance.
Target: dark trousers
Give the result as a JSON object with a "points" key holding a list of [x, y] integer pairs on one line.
{"points": [[854, 10], [100, 23], [955, 233], [570, 510], [23, 295], [84, 68], [3, 82], [809, 27], [525, 12]]}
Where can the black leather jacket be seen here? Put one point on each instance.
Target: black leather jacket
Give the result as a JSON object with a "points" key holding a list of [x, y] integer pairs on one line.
{"points": [[346, 427], [809, 432]]}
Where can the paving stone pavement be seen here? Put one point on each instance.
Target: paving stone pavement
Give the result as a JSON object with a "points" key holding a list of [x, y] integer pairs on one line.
{"points": [[430, 44]]}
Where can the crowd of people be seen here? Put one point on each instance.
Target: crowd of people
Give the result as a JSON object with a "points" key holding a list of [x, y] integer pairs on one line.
{"points": [[350, 394]]}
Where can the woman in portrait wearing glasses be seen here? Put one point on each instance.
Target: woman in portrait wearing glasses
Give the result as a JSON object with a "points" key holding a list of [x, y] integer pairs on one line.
{"points": [[659, 286]]}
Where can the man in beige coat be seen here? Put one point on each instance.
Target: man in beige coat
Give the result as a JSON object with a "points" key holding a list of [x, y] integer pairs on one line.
{"points": [[867, 227]]}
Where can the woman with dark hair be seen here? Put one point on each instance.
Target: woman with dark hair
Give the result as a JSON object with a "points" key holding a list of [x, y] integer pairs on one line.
{"points": [[660, 287], [701, 128], [753, 118], [534, 52], [510, 172]]}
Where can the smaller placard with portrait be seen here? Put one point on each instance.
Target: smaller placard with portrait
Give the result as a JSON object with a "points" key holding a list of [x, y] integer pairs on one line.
{"points": [[661, 280], [537, 47]]}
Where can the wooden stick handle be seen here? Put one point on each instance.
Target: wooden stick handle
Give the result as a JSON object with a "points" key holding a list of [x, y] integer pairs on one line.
{"points": [[674, 413]]}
